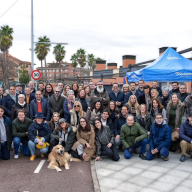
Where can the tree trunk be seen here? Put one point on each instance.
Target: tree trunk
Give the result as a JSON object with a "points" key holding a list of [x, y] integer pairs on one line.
{"points": [[45, 71], [6, 70], [59, 72], [41, 69]]}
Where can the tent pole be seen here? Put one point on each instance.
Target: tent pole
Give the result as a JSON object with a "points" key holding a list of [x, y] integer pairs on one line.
{"points": [[187, 87], [168, 85]]}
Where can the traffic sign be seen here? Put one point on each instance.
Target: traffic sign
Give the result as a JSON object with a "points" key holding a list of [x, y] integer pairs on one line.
{"points": [[36, 74]]}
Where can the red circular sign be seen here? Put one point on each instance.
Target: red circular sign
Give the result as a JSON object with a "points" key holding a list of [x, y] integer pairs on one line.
{"points": [[36, 74]]}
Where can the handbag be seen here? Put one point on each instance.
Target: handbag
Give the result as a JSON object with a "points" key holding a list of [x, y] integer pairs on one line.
{"points": [[44, 144], [175, 136]]}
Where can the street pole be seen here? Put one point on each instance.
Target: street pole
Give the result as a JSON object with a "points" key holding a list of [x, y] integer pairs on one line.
{"points": [[32, 49]]}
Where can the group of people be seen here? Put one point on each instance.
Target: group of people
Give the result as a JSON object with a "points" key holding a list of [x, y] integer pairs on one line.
{"points": [[90, 123]]}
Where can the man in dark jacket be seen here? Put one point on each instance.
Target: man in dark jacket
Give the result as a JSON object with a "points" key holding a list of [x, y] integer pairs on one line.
{"points": [[133, 136], [119, 122], [100, 94], [9, 100], [32, 87], [133, 91], [39, 105], [20, 133], [56, 102], [185, 134], [175, 88], [140, 89], [117, 95], [5, 135], [155, 86], [29, 96], [1, 95], [19, 88], [160, 139], [183, 92]]}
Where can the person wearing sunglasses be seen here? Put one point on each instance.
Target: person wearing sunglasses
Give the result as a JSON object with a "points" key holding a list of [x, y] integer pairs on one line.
{"points": [[56, 102], [76, 113], [85, 145]]}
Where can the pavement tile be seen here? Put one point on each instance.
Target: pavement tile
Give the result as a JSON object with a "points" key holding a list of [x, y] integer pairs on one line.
{"points": [[114, 167], [121, 176], [100, 177], [190, 177], [158, 169], [171, 179], [114, 190], [100, 164], [132, 170], [166, 164], [149, 190], [187, 183], [153, 162], [162, 186], [104, 172], [128, 187], [109, 182], [124, 162], [183, 167], [150, 174], [181, 189], [141, 165], [141, 181], [175, 172], [104, 189]]}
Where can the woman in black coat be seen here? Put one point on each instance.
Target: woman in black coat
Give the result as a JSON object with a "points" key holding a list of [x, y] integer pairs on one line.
{"points": [[82, 99]]}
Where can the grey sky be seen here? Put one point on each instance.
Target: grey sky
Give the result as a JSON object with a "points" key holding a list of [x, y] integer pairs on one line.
{"points": [[106, 28]]}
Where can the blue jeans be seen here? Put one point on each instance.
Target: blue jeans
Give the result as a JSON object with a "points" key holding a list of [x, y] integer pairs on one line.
{"points": [[4, 151], [32, 147], [163, 152], [24, 147], [141, 144]]}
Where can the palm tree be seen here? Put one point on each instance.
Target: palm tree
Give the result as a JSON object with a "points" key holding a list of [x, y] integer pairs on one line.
{"points": [[74, 63], [81, 57], [6, 39], [91, 61], [43, 49], [59, 52]]}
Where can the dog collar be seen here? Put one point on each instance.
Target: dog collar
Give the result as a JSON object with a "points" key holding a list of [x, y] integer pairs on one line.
{"points": [[58, 162]]}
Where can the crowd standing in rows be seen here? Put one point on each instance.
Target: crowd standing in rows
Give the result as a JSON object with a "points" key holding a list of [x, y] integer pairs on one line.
{"points": [[90, 123]]}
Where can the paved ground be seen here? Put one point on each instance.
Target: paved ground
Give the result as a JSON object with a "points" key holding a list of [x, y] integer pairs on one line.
{"points": [[17, 175], [136, 175]]}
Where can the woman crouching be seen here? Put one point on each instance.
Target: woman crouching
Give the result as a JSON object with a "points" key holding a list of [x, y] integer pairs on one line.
{"points": [[105, 142]]}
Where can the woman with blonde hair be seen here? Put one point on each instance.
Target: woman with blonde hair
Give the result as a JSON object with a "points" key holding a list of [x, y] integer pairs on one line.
{"points": [[133, 105], [155, 94], [65, 90], [76, 113], [175, 112], [125, 88]]}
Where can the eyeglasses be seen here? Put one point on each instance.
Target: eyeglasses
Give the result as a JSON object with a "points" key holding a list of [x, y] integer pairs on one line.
{"points": [[76, 106], [99, 84], [159, 118], [82, 121]]}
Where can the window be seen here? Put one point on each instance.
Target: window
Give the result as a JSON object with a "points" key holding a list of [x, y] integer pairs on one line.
{"points": [[53, 70], [50, 75], [50, 70], [66, 70], [57, 75], [57, 70]]}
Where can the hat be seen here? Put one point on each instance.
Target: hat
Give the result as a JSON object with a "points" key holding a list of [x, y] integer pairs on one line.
{"points": [[39, 115], [190, 114], [62, 120], [166, 89], [18, 84]]}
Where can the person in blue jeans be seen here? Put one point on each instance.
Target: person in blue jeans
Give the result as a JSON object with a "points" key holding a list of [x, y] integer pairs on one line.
{"points": [[39, 134], [20, 133], [160, 139], [133, 136], [5, 135]]}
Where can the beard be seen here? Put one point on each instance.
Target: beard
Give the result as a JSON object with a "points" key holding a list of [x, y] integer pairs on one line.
{"points": [[57, 97], [100, 90]]}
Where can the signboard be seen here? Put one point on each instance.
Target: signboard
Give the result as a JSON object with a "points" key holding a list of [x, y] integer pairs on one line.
{"points": [[36, 74]]}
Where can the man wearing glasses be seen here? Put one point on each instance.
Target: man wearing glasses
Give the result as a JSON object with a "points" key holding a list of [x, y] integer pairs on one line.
{"points": [[100, 94], [56, 102], [160, 139]]}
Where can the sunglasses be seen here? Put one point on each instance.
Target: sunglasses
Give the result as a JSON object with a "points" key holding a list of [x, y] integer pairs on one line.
{"points": [[76, 106], [57, 91]]}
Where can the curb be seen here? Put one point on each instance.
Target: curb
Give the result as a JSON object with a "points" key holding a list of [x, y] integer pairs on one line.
{"points": [[94, 177]]}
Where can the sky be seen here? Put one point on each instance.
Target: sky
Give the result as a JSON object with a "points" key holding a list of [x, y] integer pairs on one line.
{"points": [[108, 29]]}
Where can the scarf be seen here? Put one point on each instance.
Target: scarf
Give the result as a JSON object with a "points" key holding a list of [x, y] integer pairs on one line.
{"points": [[70, 101], [22, 105], [39, 126], [159, 125], [147, 99], [56, 125], [13, 97]]}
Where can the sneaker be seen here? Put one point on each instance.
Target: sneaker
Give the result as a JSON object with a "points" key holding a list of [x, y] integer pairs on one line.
{"points": [[42, 155], [142, 156], [166, 158], [32, 157], [16, 156], [183, 158], [178, 151]]}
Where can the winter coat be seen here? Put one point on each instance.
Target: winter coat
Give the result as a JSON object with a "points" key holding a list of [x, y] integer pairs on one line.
{"points": [[185, 132], [8, 103], [51, 125], [159, 90], [19, 128], [146, 124], [109, 124], [140, 92], [119, 122], [91, 115], [160, 136], [17, 107], [113, 115], [56, 106], [31, 97], [66, 110], [182, 97], [126, 98], [45, 109], [141, 99], [83, 103], [129, 134], [44, 132], [86, 137], [165, 101], [103, 137], [1, 100], [188, 105], [7, 123], [100, 96], [70, 137], [174, 91], [120, 97]]}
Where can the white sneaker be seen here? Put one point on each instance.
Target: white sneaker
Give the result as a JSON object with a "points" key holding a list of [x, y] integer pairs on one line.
{"points": [[16, 156]]}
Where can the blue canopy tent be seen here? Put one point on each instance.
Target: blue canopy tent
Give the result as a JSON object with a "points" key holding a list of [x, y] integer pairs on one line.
{"points": [[170, 66]]}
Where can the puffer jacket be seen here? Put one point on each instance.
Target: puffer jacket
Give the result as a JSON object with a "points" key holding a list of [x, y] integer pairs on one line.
{"points": [[185, 132], [103, 138], [146, 125], [91, 115], [188, 105], [129, 134], [160, 136]]}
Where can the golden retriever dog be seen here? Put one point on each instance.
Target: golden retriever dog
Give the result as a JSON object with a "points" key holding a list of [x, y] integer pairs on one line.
{"points": [[58, 158]]}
